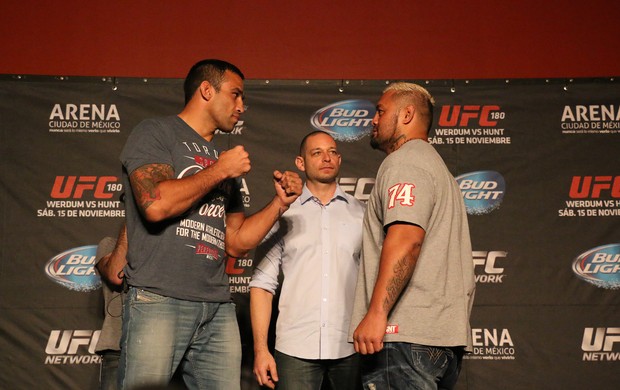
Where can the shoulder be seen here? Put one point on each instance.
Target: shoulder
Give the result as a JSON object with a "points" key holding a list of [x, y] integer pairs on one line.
{"points": [[153, 126], [353, 204]]}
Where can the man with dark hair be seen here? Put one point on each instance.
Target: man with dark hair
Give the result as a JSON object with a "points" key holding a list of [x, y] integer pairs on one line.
{"points": [[416, 285], [184, 215], [317, 245], [211, 70]]}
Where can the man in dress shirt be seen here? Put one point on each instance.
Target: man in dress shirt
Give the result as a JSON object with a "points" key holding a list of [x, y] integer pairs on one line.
{"points": [[317, 244]]}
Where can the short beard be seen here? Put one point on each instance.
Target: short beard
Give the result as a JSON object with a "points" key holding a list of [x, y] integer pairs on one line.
{"points": [[374, 144]]}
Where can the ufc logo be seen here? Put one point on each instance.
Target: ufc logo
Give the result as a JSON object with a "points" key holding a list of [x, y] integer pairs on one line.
{"points": [[488, 259], [601, 340], [462, 115], [70, 341], [359, 188], [74, 187], [402, 193], [591, 187]]}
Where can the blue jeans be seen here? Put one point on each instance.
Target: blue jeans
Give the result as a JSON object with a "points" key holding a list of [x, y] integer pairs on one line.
{"points": [[400, 366], [308, 374], [161, 334]]}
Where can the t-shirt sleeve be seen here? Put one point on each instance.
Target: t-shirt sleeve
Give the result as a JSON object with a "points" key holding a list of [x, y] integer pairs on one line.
{"points": [[408, 195], [105, 247], [148, 143]]}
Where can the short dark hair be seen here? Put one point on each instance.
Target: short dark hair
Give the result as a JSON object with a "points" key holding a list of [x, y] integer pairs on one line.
{"points": [[302, 145], [210, 70]]}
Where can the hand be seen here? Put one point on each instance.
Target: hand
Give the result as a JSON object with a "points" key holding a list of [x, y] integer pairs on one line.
{"points": [[368, 336], [234, 162], [288, 186], [265, 369]]}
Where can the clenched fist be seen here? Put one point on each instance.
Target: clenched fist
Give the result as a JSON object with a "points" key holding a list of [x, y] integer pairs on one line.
{"points": [[288, 186], [234, 162]]}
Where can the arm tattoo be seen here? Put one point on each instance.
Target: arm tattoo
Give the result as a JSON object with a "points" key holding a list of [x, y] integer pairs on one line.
{"points": [[144, 182], [402, 273]]}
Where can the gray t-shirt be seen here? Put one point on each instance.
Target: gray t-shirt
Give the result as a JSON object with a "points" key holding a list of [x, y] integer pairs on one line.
{"points": [[110, 337], [183, 257], [414, 186]]}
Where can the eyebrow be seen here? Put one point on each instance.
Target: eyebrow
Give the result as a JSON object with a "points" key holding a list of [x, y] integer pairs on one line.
{"points": [[237, 89], [320, 149]]}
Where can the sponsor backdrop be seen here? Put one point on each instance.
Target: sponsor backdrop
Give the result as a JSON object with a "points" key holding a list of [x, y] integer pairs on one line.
{"points": [[536, 160]]}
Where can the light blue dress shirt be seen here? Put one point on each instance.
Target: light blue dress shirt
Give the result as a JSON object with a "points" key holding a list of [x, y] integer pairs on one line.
{"points": [[317, 247]]}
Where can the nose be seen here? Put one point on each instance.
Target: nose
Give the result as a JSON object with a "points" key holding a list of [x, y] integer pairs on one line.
{"points": [[241, 107], [375, 119]]}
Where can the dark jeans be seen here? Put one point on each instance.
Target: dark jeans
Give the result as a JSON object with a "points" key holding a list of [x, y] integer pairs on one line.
{"points": [[401, 366], [308, 374], [109, 369]]}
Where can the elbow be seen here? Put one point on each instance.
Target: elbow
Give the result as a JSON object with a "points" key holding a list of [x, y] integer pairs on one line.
{"points": [[115, 280], [154, 213]]}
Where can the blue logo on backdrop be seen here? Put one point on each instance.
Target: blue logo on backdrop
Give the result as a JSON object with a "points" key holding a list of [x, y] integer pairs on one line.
{"points": [[348, 120], [600, 266], [74, 269], [483, 191]]}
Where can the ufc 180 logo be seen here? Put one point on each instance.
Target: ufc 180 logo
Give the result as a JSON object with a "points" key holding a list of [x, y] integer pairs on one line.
{"points": [[402, 193], [487, 116], [594, 186], [74, 187]]}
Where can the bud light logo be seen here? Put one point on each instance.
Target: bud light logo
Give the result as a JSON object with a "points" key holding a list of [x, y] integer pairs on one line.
{"points": [[74, 269], [483, 191], [600, 266], [348, 120]]}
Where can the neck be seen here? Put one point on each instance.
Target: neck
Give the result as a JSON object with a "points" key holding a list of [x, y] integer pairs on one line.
{"points": [[199, 124], [400, 141], [323, 191]]}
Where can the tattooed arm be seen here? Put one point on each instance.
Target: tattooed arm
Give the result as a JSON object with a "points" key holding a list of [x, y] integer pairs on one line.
{"points": [[399, 255], [160, 195]]}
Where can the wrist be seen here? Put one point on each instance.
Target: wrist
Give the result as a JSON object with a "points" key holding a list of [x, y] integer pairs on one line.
{"points": [[280, 205]]}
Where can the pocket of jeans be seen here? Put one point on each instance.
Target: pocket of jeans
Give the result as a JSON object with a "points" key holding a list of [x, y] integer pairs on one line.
{"points": [[143, 296], [431, 358]]}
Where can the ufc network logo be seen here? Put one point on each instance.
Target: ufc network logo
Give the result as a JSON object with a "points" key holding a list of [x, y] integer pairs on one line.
{"points": [[71, 341], [593, 186], [75, 186], [601, 340], [488, 259], [461, 115]]}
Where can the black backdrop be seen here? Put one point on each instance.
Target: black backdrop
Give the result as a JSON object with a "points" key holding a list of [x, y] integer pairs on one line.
{"points": [[537, 161]]}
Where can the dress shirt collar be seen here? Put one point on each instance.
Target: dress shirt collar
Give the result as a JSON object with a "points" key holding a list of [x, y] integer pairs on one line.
{"points": [[306, 195]]}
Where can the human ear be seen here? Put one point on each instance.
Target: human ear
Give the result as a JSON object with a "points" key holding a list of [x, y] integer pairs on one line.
{"points": [[300, 163]]}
